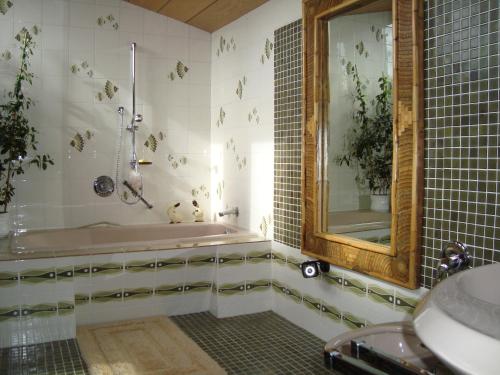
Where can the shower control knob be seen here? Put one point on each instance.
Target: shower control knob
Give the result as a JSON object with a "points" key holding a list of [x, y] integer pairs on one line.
{"points": [[138, 118]]}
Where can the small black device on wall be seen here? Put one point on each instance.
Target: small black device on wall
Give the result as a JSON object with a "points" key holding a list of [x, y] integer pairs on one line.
{"points": [[313, 268]]}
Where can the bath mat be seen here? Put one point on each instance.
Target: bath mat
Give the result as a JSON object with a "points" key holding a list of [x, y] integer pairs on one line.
{"points": [[150, 346]]}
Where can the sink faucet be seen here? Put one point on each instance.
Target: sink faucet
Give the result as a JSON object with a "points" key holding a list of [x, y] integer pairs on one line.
{"points": [[454, 258], [232, 211]]}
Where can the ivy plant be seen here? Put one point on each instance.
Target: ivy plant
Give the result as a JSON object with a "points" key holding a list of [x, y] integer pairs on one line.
{"points": [[368, 144], [18, 139]]}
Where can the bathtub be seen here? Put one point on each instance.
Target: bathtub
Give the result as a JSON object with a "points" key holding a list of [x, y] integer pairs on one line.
{"points": [[110, 239]]}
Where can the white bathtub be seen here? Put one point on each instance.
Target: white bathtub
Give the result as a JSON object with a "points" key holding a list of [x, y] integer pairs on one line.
{"points": [[106, 239]]}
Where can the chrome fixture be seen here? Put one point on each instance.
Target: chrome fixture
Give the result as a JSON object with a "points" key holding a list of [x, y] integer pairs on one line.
{"points": [[232, 211], [136, 117], [454, 258], [136, 194], [132, 179], [104, 186]]}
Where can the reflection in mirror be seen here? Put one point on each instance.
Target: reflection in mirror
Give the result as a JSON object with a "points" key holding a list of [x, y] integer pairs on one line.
{"points": [[360, 139]]}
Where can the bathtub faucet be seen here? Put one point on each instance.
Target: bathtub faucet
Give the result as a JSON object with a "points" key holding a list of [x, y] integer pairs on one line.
{"points": [[231, 211]]}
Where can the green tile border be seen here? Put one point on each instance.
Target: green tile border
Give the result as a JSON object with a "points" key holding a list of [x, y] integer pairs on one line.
{"points": [[405, 303], [36, 276], [81, 270], [230, 289], [8, 313], [258, 285], [201, 260], [106, 269], [107, 296], [140, 266], [82, 299], [65, 308], [199, 286], [355, 286], [259, 256], [311, 302], [137, 293], [169, 289], [331, 312], [230, 260], [42, 310], [170, 263], [8, 279], [381, 295]]}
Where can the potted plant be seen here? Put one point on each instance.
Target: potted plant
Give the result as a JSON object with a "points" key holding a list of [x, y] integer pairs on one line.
{"points": [[18, 139], [368, 144]]}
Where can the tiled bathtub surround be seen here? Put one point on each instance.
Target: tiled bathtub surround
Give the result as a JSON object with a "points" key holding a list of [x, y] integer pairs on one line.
{"points": [[336, 301], [287, 133], [43, 299], [82, 75], [462, 131]]}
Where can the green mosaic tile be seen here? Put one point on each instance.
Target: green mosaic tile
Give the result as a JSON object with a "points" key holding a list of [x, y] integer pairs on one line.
{"points": [[381, 295], [278, 257], [352, 321], [166, 290], [49, 358], [231, 289], [82, 270], [107, 296], [405, 303], [8, 279], [202, 260], [171, 263], [65, 273], [43, 310], [106, 269], [140, 266], [258, 256], [331, 312], [257, 285], [231, 260], [7, 313], [355, 286], [136, 293], [65, 308], [294, 295], [81, 299], [333, 278], [312, 302], [200, 286], [38, 276]]}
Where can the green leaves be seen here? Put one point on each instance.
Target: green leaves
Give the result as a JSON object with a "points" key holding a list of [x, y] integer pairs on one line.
{"points": [[368, 145], [17, 137]]}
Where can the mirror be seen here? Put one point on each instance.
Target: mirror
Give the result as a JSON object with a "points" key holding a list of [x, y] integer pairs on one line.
{"points": [[359, 129], [363, 136]]}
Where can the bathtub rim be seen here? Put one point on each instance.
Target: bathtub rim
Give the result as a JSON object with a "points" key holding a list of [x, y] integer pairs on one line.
{"points": [[240, 235]]}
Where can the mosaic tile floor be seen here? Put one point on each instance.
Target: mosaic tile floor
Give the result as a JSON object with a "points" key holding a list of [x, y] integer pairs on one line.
{"points": [[52, 358], [256, 344]]}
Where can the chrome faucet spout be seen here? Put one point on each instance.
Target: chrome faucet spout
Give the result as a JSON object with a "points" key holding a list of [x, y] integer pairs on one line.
{"points": [[233, 211], [454, 258]]}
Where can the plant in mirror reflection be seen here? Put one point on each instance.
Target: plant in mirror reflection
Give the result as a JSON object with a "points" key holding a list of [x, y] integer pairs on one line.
{"points": [[18, 140], [368, 144]]}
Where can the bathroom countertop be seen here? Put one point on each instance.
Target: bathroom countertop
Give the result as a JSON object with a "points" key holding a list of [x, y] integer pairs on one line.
{"points": [[7, 255]]}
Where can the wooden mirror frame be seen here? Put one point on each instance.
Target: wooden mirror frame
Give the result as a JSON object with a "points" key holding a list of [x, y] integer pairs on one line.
{"points": [[399, 264]]}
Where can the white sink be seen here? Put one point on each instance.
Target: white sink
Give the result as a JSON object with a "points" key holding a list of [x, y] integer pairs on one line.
{"points": [[459, 321]]}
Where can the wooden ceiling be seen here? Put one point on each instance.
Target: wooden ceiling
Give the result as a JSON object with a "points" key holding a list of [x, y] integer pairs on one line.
{"points": [[208, 15]]}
